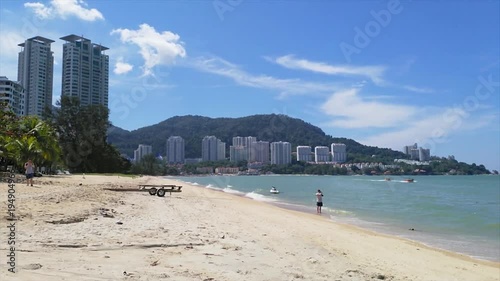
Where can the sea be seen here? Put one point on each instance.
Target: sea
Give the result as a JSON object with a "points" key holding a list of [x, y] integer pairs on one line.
{"points": [[455, 213]]}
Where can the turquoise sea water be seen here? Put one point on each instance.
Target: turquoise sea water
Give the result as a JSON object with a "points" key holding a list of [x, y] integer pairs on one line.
{"points": [[456, 213]]}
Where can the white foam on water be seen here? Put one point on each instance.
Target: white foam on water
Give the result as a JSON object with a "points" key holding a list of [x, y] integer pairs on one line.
{"points": [[259, 197], [232, 191], [210, 186]]}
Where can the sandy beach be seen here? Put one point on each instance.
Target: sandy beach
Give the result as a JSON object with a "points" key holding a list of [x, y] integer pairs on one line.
{"points": [[69, 228]]}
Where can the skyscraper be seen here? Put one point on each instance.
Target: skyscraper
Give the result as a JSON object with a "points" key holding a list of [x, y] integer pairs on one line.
{"points": [[321, 154], [304, 153], [211, 149], [85, 71], [339, 153], [175, 150], [281, 153], [142, 151], [259, 152], [12, 94], [35, 70]]}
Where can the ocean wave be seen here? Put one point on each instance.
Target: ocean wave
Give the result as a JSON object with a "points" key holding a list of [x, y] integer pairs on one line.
{"points": [[232, 191], [210, 186], [259, 197]]}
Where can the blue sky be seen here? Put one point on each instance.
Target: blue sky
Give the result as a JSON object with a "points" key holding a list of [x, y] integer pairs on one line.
{"points": [[385, 73]]}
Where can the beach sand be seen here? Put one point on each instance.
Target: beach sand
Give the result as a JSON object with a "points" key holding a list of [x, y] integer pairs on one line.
{"points": [[67, 230]]}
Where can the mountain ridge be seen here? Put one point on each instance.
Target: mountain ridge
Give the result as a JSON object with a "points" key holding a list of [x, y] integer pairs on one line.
{"points": [[265, 127]]}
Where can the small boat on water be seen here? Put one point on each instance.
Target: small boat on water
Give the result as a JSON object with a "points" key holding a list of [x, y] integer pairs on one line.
{"points": [[408, 180], [387, 179], [274, 190]]}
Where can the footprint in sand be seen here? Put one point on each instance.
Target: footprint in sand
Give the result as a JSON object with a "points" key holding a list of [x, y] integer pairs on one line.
{"points": [[32, 266]]}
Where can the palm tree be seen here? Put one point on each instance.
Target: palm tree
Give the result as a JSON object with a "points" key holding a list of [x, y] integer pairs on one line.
{"points": [[35, 140]]}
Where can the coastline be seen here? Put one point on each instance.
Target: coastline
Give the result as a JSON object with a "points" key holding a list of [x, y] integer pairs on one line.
{"points": [[200, 234]]}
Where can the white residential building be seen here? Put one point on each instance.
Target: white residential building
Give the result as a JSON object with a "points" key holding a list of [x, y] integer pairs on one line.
{"points": [[281, 153], [221, 153], [244, 142], [321, 154], [142, 151], [407, 149], [85, 70], [304, 153], [339, 152], [238, 153], [212, 149], [35, 72], [424, 154], [259, 152], [13, 95], [175, 150]]}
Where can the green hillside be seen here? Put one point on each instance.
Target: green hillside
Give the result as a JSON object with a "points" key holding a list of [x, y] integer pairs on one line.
{"points": [[269, 127]]}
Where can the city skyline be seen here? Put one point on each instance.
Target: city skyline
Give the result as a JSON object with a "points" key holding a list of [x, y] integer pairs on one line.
{"points": [[385, 74]]}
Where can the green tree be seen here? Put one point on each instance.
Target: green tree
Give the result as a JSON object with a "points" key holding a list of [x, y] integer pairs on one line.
{"points": [[24, 138], [82, 135]]}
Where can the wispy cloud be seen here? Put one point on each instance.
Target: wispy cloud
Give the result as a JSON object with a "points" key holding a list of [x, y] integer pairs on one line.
{"points": [[418, 89], [352, 111], [64, 9], [122, 67], [224, 68], [373, 72], [156, 48], [397, 125]]}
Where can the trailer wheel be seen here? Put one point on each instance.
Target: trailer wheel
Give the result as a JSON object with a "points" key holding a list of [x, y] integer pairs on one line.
{"points": [[152, 191], [161, 192]]}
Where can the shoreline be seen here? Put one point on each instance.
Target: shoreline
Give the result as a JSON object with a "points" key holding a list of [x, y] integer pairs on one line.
{"points": [[301, 211], [438, 241], [68, 230]]}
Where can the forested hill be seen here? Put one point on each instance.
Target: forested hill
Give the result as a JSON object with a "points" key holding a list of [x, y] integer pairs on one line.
{"points": [[270, 127]]}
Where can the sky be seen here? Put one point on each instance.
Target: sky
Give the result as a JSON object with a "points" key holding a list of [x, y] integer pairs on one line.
{"points": [[384, 73]]}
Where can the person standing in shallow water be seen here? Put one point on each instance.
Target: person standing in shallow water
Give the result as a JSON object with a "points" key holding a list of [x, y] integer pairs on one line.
{"points": [[319, 201], [30, 172]]}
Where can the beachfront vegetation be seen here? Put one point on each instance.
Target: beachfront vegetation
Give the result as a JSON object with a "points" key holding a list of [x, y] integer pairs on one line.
{"points": [[24, 138], [82, 137]]}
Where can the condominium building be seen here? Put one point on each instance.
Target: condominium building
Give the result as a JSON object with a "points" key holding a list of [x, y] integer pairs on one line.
{"points": [[339, 153], [304, 153], [85, 71], [244, 142], [12, 94], [142, 151], [321, 154], [281, 153], [424, 154], [259, 152], [35, 72], [175, 150], [212, 149], [407, 149], [238, 153], [221, 151]]}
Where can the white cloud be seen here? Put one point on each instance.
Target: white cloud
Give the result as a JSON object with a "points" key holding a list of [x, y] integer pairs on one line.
{"points": [[65, 9], [285, 86], [155, 48], [418, 90], [430, 130], [352, 111], [397, 125], [122, 67], [10, 42], [373, 72]]}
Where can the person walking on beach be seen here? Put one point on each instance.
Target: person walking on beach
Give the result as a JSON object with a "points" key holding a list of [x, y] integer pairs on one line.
{"points": [[319, 201], [30, 172]]}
